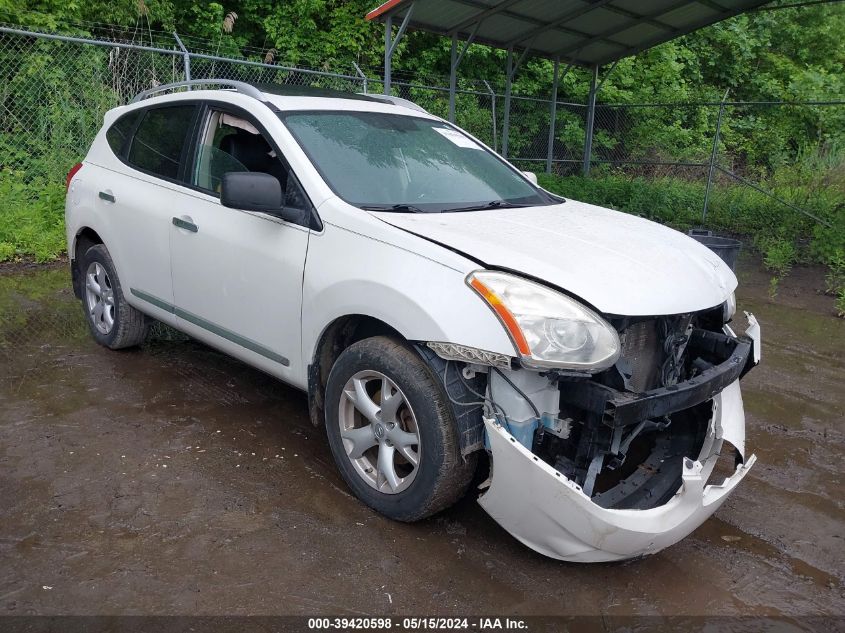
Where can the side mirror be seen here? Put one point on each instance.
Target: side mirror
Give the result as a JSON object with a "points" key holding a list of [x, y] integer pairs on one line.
{"points": [[255, 191], [531, 176]]}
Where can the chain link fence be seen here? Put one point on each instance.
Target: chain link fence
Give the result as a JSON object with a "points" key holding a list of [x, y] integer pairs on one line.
{"points": [[55, 89]]}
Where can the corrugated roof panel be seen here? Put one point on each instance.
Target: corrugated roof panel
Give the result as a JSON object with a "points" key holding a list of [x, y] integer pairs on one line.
{"points": [[549, 10], [597, 50], [441, 14], [552, 42], [652, 7], [637, 33], [688, 14], [597, 21], [504, 28], [476, 6]]}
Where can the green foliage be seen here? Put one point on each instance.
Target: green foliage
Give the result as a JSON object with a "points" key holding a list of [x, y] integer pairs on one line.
{"points": [[326, 31], [31, 217], [835, 279], [54, 105], [670, 200], [7, 251], [778, 257]]}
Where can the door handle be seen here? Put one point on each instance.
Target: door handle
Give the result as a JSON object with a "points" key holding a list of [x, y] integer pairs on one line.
{"points": [[105, 195], [185, 224]]}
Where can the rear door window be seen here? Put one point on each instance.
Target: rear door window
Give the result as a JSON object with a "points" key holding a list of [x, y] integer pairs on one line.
{"points": [[159, 142]]}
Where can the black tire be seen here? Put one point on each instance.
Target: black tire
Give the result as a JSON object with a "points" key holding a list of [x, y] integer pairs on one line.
{"points": [[443, 474], [130, 326]]}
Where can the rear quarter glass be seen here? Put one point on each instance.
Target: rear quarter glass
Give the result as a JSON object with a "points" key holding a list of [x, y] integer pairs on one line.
{"points": [[120, 131]]}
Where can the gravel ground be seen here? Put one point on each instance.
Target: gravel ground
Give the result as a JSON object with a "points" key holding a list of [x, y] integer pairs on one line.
{"points": [[173, 480]]}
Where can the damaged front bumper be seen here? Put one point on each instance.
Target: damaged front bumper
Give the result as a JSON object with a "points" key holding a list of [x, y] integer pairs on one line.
{"points": [[551, 514]]}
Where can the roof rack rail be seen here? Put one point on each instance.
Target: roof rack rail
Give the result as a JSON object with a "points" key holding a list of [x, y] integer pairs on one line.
{"points": [[405, 103], [239, 86]]}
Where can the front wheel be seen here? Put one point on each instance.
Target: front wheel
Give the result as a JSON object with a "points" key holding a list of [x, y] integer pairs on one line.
{"points": [[392, 432]]}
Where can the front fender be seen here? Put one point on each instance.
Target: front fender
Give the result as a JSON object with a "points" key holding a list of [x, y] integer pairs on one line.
{"points": [[422, 299]]}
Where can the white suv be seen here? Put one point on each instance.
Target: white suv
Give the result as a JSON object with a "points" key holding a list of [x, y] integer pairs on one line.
{"points": [[434, 302]]}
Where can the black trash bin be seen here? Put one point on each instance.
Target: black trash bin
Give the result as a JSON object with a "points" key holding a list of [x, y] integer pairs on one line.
{"points": [[726, 248]]}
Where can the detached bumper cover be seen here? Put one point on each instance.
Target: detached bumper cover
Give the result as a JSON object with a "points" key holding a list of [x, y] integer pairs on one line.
{"points": [[550, 514]]}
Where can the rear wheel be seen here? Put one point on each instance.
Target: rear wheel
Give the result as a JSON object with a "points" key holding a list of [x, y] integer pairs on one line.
{"points": [[113, 322], [392, 432]]}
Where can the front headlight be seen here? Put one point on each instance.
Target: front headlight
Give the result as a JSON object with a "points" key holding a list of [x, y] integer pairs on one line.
{"points": [[548, 328]]}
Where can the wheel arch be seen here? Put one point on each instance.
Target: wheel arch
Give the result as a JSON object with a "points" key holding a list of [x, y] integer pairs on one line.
{"points": [[346, 330], [85, 238], [336, 337]]}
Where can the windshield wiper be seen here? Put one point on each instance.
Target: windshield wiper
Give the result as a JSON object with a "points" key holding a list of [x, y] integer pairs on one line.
{"points": [[494, 204], [396, 208]]}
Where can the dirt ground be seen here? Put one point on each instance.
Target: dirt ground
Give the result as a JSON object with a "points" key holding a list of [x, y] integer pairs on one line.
{"points": [[173, 480]]}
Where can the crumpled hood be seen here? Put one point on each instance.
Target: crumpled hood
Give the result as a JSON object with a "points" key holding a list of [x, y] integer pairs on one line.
{"points": [[619, 263]]}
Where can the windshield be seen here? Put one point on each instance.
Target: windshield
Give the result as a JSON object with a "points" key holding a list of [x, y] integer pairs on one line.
{"points": [[406, 164]]}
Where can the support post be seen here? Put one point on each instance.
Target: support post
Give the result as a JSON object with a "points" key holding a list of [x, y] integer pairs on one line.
{"points": [[507, 122], [591, 117], [186, 58], [361, 75], [493, 110], [513, 67], [713, 155], [390, 43], [388, 52], [553, 117], [453, 77], [457, 58]]}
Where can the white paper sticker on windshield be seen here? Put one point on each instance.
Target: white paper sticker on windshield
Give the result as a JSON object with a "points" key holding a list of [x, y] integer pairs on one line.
{"points": [[457, 138]]}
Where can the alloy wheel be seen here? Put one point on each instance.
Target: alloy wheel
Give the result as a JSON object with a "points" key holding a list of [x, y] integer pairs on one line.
{"points": [[379, 432], [99, 297]]}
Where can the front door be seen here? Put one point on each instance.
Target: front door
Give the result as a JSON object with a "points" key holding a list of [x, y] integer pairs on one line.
{"points": [[237, 275]]}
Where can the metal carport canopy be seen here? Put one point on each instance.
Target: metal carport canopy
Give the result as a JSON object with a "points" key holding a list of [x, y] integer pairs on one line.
{"points": [[587, 33], [584, 32]]}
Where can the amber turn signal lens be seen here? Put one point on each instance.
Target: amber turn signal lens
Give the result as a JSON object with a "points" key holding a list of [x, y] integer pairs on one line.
{"points": [[504, 315]]}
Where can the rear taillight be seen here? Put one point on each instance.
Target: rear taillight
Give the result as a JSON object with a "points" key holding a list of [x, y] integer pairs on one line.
{"points": [[71, 174]]}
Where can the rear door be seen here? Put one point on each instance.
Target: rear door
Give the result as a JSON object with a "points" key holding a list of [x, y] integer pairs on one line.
{"points": [[237, 275], [139, 200]]}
